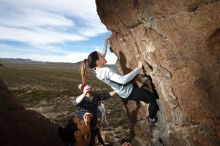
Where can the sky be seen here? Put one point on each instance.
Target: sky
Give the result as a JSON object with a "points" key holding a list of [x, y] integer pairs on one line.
{"points": [[51, 30]]}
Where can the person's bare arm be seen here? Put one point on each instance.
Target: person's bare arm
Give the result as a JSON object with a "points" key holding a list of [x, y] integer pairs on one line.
{"points": [[106, 46], [80, 98]]}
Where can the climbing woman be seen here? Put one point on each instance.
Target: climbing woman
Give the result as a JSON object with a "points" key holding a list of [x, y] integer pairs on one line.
{"points": [[121, 83]]}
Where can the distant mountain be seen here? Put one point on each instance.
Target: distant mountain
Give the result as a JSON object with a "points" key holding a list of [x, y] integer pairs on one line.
{"points": [[29, 61], [4, 62]]}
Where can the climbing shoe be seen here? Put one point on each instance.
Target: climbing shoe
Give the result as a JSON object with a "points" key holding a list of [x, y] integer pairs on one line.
{"points": [[152, 121]]}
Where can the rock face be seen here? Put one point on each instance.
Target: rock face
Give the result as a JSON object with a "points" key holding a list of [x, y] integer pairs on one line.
{"points": [[179, 43], [20, 127]]}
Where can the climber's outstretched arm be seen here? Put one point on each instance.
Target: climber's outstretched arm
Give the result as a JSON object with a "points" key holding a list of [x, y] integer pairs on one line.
{"points": [[122, 79], [106, 46]]}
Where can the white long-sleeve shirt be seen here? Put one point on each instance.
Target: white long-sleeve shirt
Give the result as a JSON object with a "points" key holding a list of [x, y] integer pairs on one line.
{"points": [[119, 83]]}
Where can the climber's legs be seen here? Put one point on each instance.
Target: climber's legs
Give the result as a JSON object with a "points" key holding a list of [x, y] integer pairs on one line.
{"points": [[92, 137], [139, 94], [97, 131]]}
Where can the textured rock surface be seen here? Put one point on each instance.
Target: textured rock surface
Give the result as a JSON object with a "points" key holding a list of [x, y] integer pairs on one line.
{"points": [[179, 41], [20, 127]]}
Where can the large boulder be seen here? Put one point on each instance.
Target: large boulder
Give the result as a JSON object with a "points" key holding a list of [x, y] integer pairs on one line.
{"points": [[20, 127], [179, 43]]}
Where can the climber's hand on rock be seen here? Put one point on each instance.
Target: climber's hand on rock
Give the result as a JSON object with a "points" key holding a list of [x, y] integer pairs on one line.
{"points": [[112, 93]]}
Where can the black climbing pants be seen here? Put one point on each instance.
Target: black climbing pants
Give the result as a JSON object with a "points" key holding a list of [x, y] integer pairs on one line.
{"points": [[94, 132], [139, 94], [98, 133]]}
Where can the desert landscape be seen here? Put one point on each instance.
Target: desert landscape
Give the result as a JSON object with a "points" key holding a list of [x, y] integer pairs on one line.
{"points": [[48, 88]]}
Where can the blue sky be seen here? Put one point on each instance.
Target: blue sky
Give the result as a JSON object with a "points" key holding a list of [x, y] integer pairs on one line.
{"points": [[51, 30]]}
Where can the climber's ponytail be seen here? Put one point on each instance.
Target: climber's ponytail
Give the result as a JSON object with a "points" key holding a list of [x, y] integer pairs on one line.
{"points": [[83, 74]]}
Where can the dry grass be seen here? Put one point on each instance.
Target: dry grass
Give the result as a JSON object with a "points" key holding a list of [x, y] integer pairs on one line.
{"points": [[48, 89]]}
